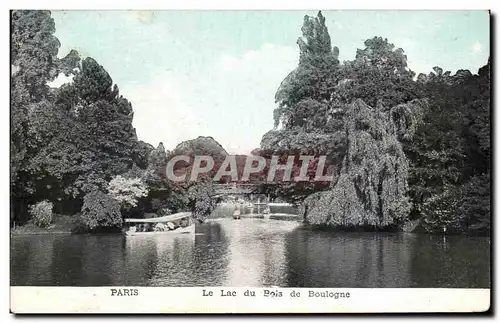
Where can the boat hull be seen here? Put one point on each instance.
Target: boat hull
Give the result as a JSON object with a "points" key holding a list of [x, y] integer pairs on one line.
{"points": [[187, 230]]}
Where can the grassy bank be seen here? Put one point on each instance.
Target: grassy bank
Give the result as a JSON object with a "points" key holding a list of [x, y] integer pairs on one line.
{"points": [[61, 224]]}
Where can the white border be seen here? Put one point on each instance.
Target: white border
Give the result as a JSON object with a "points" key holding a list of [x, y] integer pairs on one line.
{"points": [[169, 300]]}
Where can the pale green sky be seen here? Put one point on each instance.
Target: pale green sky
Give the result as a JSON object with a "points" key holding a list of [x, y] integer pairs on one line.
{"points": [[215, 73]]}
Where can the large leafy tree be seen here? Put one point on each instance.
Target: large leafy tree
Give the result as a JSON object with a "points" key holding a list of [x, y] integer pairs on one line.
{"points": [[65, 141], [379, 75], [34, 50], [356, 113], [436, 151], [304, 95], [314, 78], [371, 189], [34, 62], [306, 119], [100, 211], [475, 206], [450, 154], [93, 139], [475, 93], [197, 195]]}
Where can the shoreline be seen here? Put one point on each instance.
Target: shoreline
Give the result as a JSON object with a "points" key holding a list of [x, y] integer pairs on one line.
{"points": [[40, 233], [302, 226]]}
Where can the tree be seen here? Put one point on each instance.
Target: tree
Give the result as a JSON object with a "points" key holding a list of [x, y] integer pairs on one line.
{"points": [[475, 93], [316, 114], [90, 136], [313, 79], [474, 207], [379, 75], [306, 119], [68, 141], [202, 200], [436, 150], [291, 190], [371, 189], [155, 174], [100, 211], [439, 211], [34, 50], [363, 113], [127, 191], [34, 62], [449, 149]]}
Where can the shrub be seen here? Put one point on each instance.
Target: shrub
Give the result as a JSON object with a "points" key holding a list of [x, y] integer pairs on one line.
{"points": [[202, 200], [42, 213], [475, 206], [440, 210], [100, 210]]}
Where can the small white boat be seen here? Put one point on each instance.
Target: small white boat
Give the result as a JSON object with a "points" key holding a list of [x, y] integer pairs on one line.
{"points": [[178, 223]]}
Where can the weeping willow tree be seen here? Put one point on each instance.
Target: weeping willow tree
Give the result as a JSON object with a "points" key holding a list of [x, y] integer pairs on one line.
{"points": [[371, 189], [357, 114]]}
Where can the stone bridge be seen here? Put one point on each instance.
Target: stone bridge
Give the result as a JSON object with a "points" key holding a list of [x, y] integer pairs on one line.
{"points": [[236, 189]]}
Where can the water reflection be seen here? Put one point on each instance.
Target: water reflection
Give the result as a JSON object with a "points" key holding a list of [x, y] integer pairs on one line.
{"points": [[31, 263], [376, 260], [328, 259], [454, 261], [211, 254], [167, 260], [141, 259], [256, 252], [252, 252]]}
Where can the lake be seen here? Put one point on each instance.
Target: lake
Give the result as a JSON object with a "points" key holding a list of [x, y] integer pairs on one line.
{"points": [[252, 252]]}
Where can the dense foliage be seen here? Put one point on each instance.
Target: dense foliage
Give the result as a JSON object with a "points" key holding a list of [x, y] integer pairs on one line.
{"points": [[401, 147], [450, 152], [475, 205], [371, 187], [70, 141], [198, 196], [34, 62], [127, 191], [100, 211], [202, 200]]}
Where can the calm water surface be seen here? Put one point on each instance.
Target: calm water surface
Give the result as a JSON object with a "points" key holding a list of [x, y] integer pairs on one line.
{"points": [[252, 252]]}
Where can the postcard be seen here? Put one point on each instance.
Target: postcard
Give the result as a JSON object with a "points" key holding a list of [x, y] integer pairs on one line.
{"points": [[271, 161]]}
